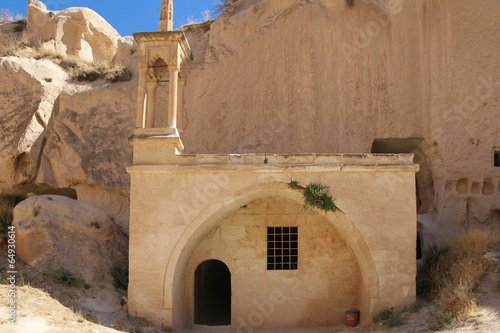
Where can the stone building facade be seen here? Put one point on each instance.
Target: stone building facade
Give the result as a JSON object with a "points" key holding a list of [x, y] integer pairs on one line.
{"points": [[223, 240]]}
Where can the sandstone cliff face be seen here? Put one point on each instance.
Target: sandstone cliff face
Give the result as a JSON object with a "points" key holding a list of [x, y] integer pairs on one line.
{"points": [[66, 135], [60, 135], [57, 233], [303, 76], [25, 113]]}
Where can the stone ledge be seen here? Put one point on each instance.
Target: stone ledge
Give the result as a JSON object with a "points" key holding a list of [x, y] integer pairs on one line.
{"points": [[291, 159], [267, 169], [275, 159]]}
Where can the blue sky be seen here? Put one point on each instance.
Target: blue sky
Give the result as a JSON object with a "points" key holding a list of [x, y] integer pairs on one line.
{"points": [[126, 16]]}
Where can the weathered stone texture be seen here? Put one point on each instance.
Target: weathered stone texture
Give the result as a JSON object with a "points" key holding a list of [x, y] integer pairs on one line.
{"points": [[320, 76], [66, 135], [211, 207], [317, 294], [75, 31], [56, 233]]}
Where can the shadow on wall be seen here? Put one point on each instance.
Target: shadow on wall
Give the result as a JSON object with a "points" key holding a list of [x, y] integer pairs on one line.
{"points": [[23, 192], [424, 182], [424, 179]]}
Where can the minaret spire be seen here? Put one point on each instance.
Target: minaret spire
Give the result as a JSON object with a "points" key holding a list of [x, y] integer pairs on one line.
{"points": [[166, 16]]}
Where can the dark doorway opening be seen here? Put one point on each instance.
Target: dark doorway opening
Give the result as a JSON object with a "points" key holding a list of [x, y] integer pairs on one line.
{"points": [[212, 294]]}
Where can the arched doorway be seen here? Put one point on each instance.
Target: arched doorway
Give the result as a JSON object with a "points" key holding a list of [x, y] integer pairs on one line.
{"points": [[212, 294]]}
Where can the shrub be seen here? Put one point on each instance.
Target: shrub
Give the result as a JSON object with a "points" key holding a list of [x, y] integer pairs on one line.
{"points": [[6, 16], [95, 224], [88, 74], [413, 307], [121, 74], [316, 196], [24, 42], [430, 275], [20, 25], [9, 52], [120, 277], [396, 320], [100, 70], [65, 278], [496, 282], [451, 272], [135, 330], [384, 315], [77, 69], [5, 219], [46, 54], [69, 64], [454, 304], [390, 317]]}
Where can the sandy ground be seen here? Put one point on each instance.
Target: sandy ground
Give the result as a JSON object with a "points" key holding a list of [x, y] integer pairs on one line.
{"points": [[38, 312], [487, 318]]}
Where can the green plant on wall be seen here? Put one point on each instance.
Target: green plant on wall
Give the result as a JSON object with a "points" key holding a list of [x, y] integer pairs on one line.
{"points": [[315, 196]]}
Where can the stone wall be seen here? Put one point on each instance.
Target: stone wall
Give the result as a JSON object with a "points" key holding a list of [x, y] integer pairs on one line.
{"points": [[181, 207]]}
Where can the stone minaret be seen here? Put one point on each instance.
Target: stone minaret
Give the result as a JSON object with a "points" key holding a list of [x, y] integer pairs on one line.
{"points": [[166, 16]]}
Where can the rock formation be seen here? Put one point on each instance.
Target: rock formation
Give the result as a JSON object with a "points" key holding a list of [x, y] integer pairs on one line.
{"points": [[126, 47], [64, 135], [79, 32], [61, 135], [56, 233]]}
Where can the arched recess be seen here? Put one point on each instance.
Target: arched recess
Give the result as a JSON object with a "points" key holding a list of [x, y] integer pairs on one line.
{"points": [[157, 67], [173, 286]]}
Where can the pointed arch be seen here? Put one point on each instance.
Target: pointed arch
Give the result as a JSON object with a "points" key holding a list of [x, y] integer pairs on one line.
{"points": [[172, 284], [158, 67]]}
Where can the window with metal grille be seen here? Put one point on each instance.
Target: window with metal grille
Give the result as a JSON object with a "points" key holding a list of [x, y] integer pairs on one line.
{"points": [[282, 248]]}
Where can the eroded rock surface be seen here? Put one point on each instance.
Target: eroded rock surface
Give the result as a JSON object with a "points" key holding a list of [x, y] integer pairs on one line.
{"points": [[74, 31], [66, 135], [55, 233], [29, 89]]}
